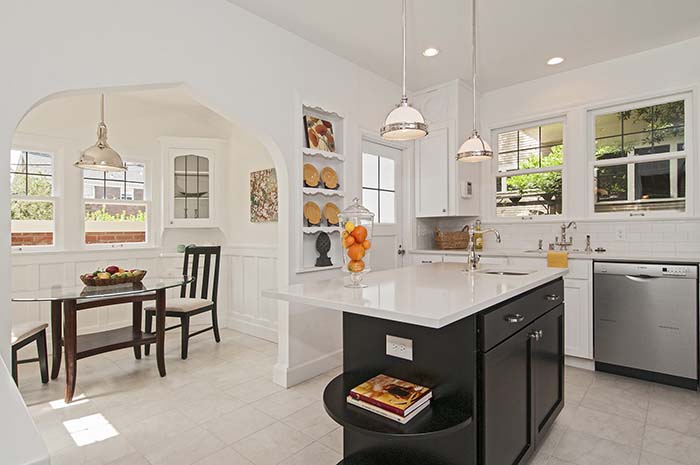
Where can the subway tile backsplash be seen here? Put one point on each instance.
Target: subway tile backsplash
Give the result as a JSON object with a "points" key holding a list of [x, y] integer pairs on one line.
{"points": [[655, 238]]}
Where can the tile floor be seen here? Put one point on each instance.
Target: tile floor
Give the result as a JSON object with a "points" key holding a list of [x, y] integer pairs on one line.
{"points": [[219, 407]]}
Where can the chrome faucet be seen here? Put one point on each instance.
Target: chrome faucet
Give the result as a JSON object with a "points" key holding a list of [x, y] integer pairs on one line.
{"points": [[473, 257], [564, 243]]}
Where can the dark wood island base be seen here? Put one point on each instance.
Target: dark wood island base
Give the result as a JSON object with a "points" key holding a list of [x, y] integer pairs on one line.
{"points": [[497, 378]]}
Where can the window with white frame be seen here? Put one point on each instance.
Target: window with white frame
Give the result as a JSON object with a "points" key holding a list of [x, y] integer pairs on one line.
{"points": [[379, 187], [32, 206], [529, 173], [115, 206], [639, 158]]}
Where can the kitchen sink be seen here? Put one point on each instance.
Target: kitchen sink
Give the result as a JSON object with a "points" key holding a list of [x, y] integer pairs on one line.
{"points": [[506, 272]]}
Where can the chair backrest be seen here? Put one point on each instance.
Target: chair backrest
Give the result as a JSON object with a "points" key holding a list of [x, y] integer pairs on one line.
{"points": [[192, 259]]}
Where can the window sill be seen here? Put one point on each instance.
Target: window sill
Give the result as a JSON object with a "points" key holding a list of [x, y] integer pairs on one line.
{"points": [[88, 249]]}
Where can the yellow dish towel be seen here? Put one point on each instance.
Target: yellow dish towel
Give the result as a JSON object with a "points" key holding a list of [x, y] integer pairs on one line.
{"points": [[557, 259]]}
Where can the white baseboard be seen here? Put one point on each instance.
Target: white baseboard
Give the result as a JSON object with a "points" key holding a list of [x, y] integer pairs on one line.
{"points": [[577, 362], [251, 328], [287, 376]]}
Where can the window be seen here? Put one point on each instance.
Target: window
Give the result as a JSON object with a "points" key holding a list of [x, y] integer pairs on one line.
{"points": [[378, 187], [115, 206], [639, 159], [529, 177], [32, 208]]}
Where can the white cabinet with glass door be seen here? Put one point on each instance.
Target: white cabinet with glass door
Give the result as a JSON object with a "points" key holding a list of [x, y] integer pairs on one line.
{"points": [[189, 200], [381, 194]]}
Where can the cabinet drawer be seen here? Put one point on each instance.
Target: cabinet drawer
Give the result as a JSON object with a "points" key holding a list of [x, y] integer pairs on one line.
{"points": [[502, 322], [421, 259]]}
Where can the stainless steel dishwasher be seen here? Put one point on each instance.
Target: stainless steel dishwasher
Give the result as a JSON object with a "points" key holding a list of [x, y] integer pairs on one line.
{"points": [[646, 321]]}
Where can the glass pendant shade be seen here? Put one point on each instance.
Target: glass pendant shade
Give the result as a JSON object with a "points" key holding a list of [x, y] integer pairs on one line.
{"points": [[474, 149], [100, 156], [404, 123]]}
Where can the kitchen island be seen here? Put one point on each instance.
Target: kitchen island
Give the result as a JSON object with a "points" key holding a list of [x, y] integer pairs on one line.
{"points": [[488, 343]]}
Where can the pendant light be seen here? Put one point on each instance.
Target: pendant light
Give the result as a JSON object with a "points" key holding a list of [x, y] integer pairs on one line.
{"points": [[404, 122], [475, 148], [101, 157]]}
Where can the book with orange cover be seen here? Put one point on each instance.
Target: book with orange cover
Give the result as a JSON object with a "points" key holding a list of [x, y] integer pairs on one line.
{"points": [[392, 394]]}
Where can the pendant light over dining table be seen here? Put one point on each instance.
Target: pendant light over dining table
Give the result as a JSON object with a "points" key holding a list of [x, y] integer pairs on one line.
{"points": [[474, 149], [100, 156], [404, 122]]}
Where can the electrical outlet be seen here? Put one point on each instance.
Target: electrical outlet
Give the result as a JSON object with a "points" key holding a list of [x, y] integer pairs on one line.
{"points": [[399, 347], [620, 234]]}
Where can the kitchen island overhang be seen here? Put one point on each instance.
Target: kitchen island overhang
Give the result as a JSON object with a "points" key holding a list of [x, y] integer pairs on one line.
{"points": [[474, 336]]}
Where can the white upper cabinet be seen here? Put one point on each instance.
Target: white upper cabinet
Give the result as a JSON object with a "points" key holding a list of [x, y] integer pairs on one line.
{"points": [[189, 181], [443, 186]]}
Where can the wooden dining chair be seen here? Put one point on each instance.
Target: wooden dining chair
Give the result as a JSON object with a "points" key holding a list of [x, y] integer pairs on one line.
{"points": [[188, 304], [24, 334]]}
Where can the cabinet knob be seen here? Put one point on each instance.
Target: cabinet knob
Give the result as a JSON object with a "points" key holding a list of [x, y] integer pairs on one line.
{"points": [[514, 318], [551, 297], [444, 210], [536, 335]]}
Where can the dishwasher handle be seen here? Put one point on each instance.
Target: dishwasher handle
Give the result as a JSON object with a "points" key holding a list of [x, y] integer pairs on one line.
{"points": [[642, 278]]}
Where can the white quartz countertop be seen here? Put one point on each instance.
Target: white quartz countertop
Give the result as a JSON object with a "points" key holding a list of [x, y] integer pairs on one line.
{"points": [[573, 255], [432, 295], [20, 442]]}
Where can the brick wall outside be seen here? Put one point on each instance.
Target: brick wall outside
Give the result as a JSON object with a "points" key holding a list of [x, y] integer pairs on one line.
{"points": [[114, 237], [32, 238]]}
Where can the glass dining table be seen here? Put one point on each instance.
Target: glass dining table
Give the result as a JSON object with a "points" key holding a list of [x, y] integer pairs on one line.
{"points": [[67, 301]]}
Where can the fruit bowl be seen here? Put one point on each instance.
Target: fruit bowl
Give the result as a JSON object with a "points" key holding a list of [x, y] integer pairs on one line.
{"points": [[106, 278]]}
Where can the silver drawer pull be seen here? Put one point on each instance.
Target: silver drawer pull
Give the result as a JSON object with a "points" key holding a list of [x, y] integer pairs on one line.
{"points": [[536, 335], [551, 297], [515, 318]]}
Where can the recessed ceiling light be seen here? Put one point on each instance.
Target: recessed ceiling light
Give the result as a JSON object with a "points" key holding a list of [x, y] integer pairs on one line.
{"points": [[430, 52], [555, 61]]}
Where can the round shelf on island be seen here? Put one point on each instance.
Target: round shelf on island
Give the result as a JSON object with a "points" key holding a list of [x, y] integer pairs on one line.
{"points": [[446, 414]]}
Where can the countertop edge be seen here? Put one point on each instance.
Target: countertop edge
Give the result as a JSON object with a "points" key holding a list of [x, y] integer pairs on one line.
{"points": [[411, 319], [605, 256]]}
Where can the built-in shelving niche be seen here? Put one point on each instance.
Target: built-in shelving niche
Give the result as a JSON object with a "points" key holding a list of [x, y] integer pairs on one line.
{"points": [[320, 195]]}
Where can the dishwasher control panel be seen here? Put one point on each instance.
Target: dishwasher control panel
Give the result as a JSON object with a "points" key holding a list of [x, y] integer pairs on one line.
{"points": [[675, 270]]}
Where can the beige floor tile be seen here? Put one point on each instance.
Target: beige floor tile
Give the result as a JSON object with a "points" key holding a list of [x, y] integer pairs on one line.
{"points": [[236, 425], [226, 456], [652, 459], [283, 403], [315, 454], [272, 445], [254, 390], [609, 398], [312, 421], [114, 450], [161, 428], [586, 449], [672, 445], [579, 377], [184, 449], [573, 393], [677, 416], [607, 426], [546, 448], [334, 440]]}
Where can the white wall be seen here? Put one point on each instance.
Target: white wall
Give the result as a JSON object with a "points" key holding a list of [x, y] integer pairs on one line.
{"points": [[243, 67], [572, 94]]}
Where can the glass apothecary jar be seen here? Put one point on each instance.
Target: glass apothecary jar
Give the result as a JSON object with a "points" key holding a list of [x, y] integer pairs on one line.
{"points": [[357, 223]]}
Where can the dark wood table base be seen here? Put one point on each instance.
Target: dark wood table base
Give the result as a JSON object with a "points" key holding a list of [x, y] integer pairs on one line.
{"points": [[87, 345]]}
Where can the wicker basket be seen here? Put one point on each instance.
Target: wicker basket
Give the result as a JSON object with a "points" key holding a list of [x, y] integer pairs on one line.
{"points": [[452, 239], [91, 281]]}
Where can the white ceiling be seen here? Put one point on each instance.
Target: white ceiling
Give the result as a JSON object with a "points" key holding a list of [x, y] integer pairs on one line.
{"points": [[516, 37]]}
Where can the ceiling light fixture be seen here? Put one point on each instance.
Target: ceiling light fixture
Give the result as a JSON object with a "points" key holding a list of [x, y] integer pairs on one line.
{"points": [[555, 61], [101, 157], [475, 148], [430, 52], [404, 122]]}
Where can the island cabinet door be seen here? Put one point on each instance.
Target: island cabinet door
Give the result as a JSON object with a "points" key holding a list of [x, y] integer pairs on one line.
{"points": [[505, 392], [547, 334]]}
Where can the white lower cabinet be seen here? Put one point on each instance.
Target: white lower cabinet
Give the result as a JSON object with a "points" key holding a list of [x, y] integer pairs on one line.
{"points": [[578, 318]]}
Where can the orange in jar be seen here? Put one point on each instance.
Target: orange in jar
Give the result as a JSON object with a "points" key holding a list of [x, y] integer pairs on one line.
{"points": [[366, 244], [356, 266], [356, 252], [359, 233], [348, 241]]}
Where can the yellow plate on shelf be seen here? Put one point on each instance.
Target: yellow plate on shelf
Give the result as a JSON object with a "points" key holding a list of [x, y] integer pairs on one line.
{"points": [[311, 177], [312, 213], [329, 177], [330, 212]]}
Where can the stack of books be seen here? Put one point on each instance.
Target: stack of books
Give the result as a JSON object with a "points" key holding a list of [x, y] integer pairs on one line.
{"points": [[391, 398]]}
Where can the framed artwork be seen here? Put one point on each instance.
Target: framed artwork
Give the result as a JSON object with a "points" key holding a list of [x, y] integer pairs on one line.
{"points": [[263, 196], [319, 134]]}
